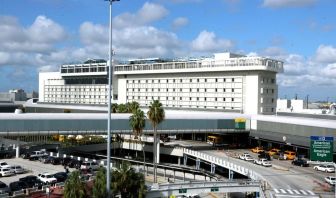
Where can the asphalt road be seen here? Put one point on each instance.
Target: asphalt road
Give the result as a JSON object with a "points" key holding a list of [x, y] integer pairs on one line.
{"points": [[282, 175]]}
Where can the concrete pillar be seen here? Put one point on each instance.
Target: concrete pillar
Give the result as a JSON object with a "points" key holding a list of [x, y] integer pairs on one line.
{"points": [[17, 151], [158, 150], [179, 161]]}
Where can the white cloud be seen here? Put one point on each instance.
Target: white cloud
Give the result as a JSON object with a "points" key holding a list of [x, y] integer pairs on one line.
{"points": [[209, 42], [287, 3], [326, 54], [330, 71], [180, 22], [149, 13], [39, 37]]}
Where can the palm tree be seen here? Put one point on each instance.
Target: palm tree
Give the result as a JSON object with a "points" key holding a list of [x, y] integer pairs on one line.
{"points": [[74, 187], [122, 108], [138, 123], [156, 115], [99, 186], [114, 107], [133, 106], [127, 182]]}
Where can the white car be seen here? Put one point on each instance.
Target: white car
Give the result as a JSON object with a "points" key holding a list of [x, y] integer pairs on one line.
{"points": [[5, 172], [47, 178], [89, 165], [16, 169], [4, 165], [246, 157], [325, 168], [330, 180], [263, 162]]}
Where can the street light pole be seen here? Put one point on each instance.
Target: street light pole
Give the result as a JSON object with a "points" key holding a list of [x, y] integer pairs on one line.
{"points": [[110, 74]]}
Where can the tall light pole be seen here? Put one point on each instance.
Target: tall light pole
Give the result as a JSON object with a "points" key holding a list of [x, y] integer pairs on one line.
{"points": [[110, 74]]}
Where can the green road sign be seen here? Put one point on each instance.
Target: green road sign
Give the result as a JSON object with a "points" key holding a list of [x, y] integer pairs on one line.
{"points": [[214, 189], [182, 190], [321, 148]]}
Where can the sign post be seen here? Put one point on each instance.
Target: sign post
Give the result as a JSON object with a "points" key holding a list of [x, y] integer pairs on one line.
{"points": [[321, 148]]}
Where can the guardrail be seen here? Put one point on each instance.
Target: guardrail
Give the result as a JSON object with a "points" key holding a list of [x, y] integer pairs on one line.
{"points": [[223, 163]]}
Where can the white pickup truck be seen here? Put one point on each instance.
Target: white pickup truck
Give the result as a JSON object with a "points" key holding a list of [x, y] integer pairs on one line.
{"points": [[263, 162], [246, 157], [47, 178], [35, 155]]}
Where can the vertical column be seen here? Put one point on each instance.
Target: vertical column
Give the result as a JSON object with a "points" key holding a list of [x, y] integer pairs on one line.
{"points": [[158, 150], [17, 154]]}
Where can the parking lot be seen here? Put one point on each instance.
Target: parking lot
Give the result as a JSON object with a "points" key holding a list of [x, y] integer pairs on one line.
{"points": [[32, 167]]}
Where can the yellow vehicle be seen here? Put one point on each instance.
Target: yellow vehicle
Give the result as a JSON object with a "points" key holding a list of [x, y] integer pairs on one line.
{"points": [[257, 149], [290, 155], [273, 151], [213, 140]]}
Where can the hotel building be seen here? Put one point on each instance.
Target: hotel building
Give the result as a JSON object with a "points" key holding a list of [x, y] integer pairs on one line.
{"points": [[225, 82]]}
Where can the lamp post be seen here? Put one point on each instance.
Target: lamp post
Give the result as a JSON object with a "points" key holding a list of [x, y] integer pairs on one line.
{"points": [[110, 73]]}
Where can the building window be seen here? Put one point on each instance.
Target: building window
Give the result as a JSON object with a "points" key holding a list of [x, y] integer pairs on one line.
{"points": [[180, 80], [190, 98], [190, 80], [197, 98], [180, 98], [133, 89], [181, 90], [167, 80], [224, 90], [173, 98], [232, 79], [205, 90], [272, 90], [126, 89], [197, 89], [215, 99], [205, 99], [205, 80], [153, 89], [138, 97], [167, 90], [232, 90], [133, 81], [146, 81], [152, 81], [224, 80], [190, 90], [223, 99], [146, 97], [166, 98], [273, 81], [173, 80], [138, 81], [216, 90], [216, 80], [138, 90], [126, 81], [174, 89], [197, 79], [159, 90], [272, 101], [232, 99]]}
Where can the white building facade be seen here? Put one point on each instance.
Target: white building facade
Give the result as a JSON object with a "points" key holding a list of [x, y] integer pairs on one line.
{"points": [[226, 82]]}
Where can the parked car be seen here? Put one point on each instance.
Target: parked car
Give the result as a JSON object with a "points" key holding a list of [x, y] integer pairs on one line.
{"points": [[246, 157], [4, 188], [61, 176], [18, 185], [16, 169], [279, 156], [43, 158], [56, 161], [4, 165], [300, 162], [89, 165], [75, 163], [273, 151], [330, 180], [263, 162], [264, 155], [65, 161], [290, 155], [32, 181], [47, 178], [48, 160], [257, 150], [5, 172], [325, 168], [35, 155]]}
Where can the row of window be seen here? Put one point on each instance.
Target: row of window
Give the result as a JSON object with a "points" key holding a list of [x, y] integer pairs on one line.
{"points": [[76, 89], [179, 90], [196, 106], [266, 90], [74, 96], [267, 80], [181, 80], [181, 98]]}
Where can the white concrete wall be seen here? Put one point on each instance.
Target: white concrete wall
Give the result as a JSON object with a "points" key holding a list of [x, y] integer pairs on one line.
{"points": [[283, 104], [251, 101], [297, 105]]}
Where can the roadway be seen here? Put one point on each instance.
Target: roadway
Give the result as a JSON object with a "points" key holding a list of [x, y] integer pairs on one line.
{"points": [[282, 175]]}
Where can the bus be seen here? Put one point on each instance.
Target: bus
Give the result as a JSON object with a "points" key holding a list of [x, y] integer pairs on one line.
{"points": [[214, 140]]}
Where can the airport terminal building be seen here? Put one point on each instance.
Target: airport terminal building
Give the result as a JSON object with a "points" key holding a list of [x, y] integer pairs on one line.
{"points": [[225, 82]]}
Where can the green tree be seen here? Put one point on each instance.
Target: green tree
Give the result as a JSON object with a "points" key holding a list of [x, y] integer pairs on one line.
{"points": [[122, 108], [156, 115], [133, 106], [138, 122], [114, 107], [74, 187], [128, 183], [99, 185]]}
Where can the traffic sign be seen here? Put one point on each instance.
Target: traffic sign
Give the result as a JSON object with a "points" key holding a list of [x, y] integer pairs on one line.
{"points": [[321, 148], [183, 190], [214, 189]]}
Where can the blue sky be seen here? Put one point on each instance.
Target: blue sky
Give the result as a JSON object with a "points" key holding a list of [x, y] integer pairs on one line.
{"points": [[39, 35]]}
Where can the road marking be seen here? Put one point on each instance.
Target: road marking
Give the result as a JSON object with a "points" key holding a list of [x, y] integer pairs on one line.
{"points": [[296, 191], [289, 190], [276, 191], [283, 191], [310, 192], [303, 192]]}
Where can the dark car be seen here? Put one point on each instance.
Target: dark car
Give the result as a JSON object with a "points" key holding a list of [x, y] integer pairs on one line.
{"points": [[265, 155], [300, 162], [43, 158], [48, 160], [3, 188], [18, 185], [61, 176], [56, 161], [65, 161], [32, 181], [75, 163]]}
